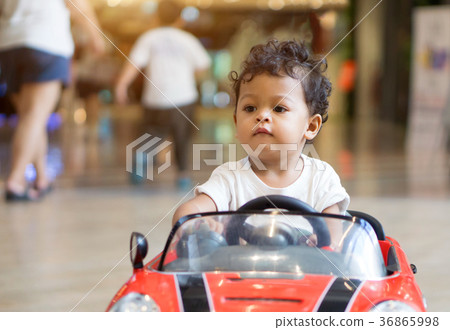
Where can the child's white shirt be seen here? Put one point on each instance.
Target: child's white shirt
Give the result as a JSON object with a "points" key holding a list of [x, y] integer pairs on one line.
{"points": [[233, 184]]}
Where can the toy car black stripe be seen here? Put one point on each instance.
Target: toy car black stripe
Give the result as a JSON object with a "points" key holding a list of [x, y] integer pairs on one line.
{"points": [[193, 293], [339, 295]]}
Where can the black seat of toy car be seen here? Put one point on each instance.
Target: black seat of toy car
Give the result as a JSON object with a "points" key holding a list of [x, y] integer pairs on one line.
{"points": [[376, 225]]}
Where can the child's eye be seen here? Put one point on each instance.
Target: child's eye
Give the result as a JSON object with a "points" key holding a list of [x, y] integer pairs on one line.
{"points": [[279, 108], [249, 108]]}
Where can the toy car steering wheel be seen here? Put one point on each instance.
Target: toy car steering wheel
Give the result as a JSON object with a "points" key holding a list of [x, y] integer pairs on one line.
{"points": [[239, 228]]}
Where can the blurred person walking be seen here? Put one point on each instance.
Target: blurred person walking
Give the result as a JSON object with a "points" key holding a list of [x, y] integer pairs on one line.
{"points": [[35, 53], [172, 59]]}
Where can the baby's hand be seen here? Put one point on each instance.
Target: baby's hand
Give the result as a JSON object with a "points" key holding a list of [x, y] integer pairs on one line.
{"points": [[305, 237], [198, 225], [210, 225], [312, 240]]}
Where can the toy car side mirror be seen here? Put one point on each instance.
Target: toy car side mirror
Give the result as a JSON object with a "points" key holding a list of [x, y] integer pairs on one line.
{"points": [[138, 249]]}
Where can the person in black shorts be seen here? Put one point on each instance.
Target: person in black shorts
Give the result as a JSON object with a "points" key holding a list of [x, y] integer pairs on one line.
{"points": [[34, 64]]}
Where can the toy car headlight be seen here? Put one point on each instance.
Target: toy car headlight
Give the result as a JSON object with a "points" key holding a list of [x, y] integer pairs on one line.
{"points": [[135, 302], [392, 306]]}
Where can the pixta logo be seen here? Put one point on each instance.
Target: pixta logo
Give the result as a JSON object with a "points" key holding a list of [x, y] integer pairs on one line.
{"points": [[141, 154]]}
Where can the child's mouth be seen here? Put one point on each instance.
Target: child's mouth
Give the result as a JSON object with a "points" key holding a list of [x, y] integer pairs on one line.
{"points": [[262, 130]]}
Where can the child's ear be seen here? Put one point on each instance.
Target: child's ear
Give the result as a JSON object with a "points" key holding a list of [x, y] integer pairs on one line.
{"points": [[315, 122]]}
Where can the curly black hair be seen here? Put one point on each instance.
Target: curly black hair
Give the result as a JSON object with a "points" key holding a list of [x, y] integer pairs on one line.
{"points": [[293, 59]]}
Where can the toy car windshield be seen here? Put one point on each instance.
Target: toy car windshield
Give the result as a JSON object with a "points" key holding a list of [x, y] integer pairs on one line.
{"points": [[275, 245]]}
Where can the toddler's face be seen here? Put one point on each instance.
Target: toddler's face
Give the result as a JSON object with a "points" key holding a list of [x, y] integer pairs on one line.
{"points": [[272, 110]]}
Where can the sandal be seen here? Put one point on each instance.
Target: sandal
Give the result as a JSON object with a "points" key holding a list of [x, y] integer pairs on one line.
{"points": [[11, 196], [44, 191]]}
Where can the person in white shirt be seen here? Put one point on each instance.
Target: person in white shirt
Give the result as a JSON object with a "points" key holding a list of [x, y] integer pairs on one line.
{"points": [[35, 51], [281, 104], [171, 59]]}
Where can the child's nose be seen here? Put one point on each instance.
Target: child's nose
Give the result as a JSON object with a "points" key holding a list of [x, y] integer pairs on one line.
{"points": [[264, 115]]}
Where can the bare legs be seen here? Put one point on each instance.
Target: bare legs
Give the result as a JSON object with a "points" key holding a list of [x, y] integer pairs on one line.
{"points": [[40, 162], [34, 103]]}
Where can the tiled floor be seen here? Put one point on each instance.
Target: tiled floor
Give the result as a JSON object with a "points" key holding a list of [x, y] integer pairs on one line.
{"points": [[70, 251]]}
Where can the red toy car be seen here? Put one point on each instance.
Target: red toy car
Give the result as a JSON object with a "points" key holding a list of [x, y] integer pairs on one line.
{"points": [[273, 254]]}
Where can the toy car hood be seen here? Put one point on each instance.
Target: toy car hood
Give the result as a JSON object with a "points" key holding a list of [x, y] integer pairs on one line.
{"points": [[272, 262]]}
